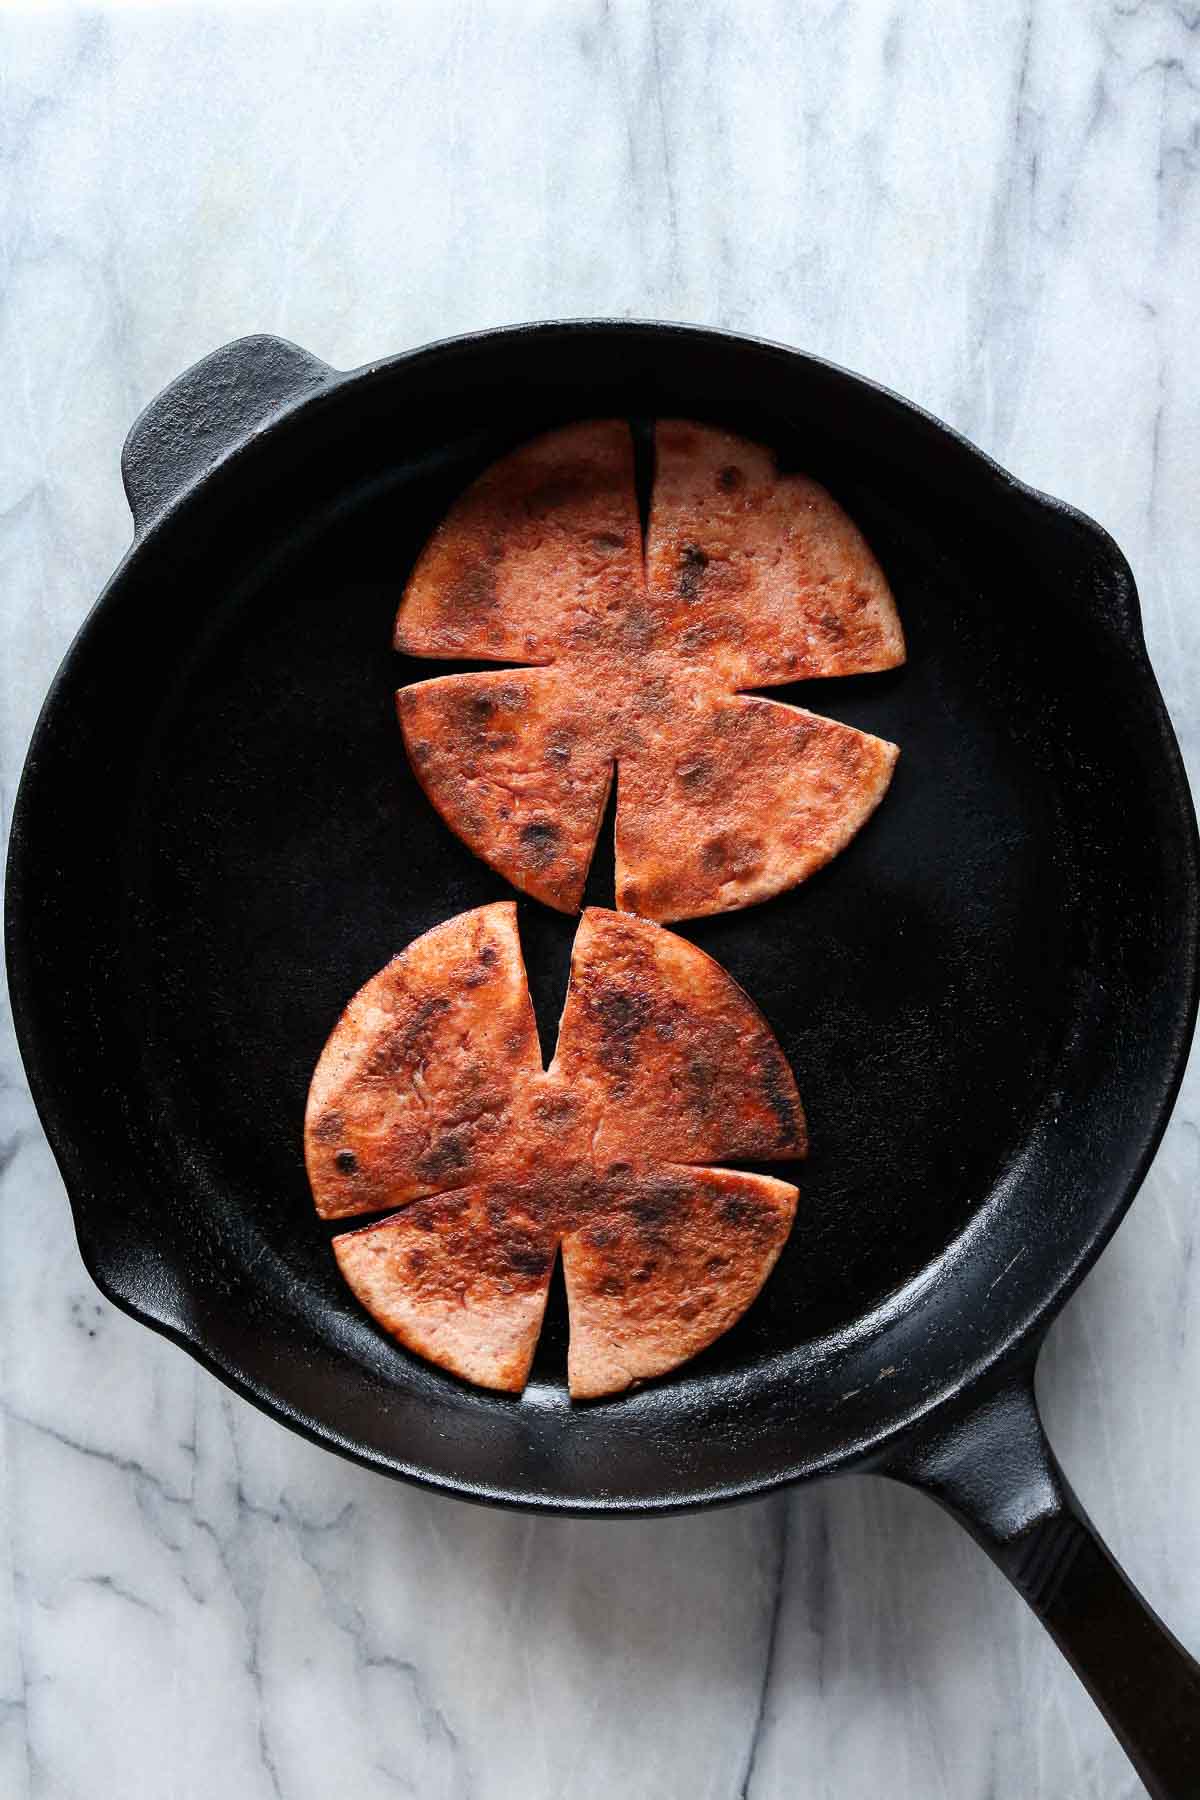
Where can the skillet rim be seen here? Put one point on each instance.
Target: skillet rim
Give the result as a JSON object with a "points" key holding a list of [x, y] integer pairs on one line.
{"points": [[154, 1310]]}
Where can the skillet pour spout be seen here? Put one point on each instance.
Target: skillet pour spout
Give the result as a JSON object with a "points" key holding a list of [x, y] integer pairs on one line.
{"points": [[988, 997]]}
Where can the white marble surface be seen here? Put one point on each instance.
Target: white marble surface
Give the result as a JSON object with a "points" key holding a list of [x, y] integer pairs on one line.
{"points": [[994, 209]]}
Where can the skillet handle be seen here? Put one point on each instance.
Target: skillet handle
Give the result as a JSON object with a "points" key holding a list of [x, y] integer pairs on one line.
{"points": [[992, 1468], [208, 412]]}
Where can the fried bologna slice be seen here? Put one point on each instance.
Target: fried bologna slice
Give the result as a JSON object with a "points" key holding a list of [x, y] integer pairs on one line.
{"points": [[461, 1279], [662, 1063], [511, 763], [415, 1086], [754, 797], [669, 1265], [673, 1061], [761, 576], [752, 578], [537, 549]]}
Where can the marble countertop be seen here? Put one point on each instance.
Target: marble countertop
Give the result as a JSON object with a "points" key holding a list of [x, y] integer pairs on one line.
{"points": [[996, 211]]}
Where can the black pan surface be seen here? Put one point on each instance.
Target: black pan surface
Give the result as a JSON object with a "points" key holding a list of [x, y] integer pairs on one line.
{"points": [[987, 998]]}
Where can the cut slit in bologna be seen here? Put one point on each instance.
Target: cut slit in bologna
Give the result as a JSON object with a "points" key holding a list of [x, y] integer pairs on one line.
{"points": [[444, 1111], [749, 578]]}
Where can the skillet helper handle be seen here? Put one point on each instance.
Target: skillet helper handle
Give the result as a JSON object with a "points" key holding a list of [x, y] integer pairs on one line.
{"points": [[992, 1468], [207, 413]]}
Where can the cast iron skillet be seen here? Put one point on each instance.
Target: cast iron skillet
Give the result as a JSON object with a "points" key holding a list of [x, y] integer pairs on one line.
{"points": [[987, 998]]}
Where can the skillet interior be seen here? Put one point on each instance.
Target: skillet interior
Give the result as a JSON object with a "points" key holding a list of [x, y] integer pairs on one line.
{"points": [[983, 998]]}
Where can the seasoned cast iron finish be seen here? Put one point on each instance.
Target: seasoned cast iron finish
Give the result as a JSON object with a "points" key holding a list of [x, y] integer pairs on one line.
{"points": [[987, 998]]}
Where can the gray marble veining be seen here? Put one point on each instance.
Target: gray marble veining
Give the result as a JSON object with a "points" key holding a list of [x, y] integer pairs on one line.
{"points": [[996, 211]]}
